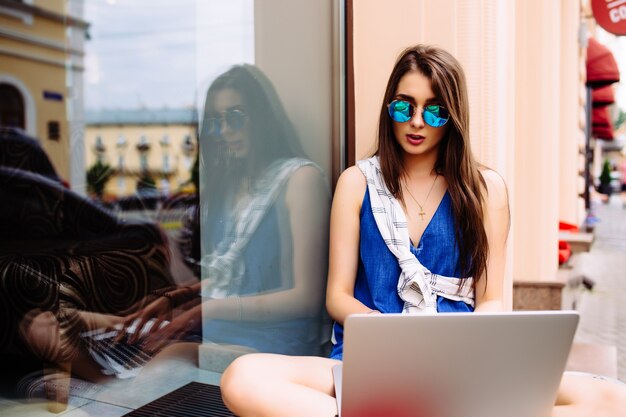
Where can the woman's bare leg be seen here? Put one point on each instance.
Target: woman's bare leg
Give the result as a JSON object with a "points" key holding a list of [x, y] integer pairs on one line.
{"points": [[583, 396], [266, 385]]}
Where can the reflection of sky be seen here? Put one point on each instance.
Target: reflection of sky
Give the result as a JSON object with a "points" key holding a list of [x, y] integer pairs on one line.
{"points": [[157, 53]]}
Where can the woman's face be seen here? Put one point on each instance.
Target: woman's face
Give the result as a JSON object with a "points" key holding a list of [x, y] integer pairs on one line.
{"points": [[415, 136], [230, 122]]}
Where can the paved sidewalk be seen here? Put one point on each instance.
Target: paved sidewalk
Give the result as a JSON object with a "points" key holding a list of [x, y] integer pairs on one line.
{"points": [[603, 309]]}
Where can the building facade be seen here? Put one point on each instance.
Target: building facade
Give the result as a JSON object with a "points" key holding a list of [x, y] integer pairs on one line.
{"points": [[134, 143], [41, 77]]}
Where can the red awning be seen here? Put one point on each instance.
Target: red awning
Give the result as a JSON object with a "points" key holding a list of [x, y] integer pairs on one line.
{"points": [[603, 96], [601, 66], [602, 127]]}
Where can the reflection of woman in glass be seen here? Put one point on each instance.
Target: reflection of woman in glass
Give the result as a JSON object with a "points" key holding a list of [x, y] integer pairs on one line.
{"points": [[263, 227]]}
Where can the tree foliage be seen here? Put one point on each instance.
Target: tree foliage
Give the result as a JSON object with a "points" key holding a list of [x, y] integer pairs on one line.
{"points": [[621, 118], [605, 178], [146, 183], [97, 177]]}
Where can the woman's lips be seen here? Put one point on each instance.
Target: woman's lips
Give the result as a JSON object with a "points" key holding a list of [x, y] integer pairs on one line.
{"points": [[415, 139], [236, 145]]}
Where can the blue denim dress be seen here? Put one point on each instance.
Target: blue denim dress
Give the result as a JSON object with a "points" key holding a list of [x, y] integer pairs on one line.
{"points": [[262, 257], [377, 276]]}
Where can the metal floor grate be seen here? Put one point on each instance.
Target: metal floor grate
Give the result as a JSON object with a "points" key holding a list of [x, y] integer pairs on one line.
{"points": [[192, 400]]}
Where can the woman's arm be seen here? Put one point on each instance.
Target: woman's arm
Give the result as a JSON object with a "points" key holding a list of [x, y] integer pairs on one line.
{"points": [[489, 290], [307, 203], [344, 246]]}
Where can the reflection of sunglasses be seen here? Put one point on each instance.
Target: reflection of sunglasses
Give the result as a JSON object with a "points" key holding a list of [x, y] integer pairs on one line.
{"points": [[235, 120], [434, 115]]}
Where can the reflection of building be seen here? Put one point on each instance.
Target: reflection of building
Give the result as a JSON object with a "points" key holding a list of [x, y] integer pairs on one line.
{"points": [[41, 54], [134, 142]]}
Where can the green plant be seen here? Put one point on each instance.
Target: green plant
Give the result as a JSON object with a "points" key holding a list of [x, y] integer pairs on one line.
{"points": [[146, 182], [97, 177], [621, 118], [605, 178]]}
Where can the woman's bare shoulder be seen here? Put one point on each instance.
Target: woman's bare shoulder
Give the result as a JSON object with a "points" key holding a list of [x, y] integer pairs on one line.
{"points": [[351, 186], [305, 183], [497, 193], [307, 175], [352, 176]]}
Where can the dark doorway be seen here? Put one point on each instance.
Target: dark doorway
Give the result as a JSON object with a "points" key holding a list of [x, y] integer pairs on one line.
{"points": [[11, 107]]}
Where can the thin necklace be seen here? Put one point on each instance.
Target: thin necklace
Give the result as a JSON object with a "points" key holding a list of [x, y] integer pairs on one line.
{"points": [[422, 213]]}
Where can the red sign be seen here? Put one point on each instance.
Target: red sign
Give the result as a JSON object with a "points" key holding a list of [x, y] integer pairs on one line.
{"points": [[611, 15]]}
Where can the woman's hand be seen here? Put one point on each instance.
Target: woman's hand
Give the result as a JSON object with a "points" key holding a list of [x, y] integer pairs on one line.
{"points": [[175, 330], [159, 309]]}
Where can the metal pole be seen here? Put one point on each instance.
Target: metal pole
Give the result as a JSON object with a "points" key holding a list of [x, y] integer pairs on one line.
{"points": [[588, 161]]}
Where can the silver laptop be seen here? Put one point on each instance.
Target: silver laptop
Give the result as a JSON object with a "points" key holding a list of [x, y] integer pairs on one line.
{"points": [[453, 364]]}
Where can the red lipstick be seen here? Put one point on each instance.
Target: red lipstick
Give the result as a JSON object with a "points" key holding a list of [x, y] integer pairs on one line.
{"points": [[415, 139]]}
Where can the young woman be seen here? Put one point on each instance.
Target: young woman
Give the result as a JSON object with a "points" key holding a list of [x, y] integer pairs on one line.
{"points": [[457, 220], [259, 238]]}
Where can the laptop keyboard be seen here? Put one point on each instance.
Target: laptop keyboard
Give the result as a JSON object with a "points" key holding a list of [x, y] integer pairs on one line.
{"points": [[121, 359]]}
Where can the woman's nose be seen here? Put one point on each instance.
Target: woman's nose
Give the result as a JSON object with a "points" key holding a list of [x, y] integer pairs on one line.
{"points": [[225, 129], [417, 120]]}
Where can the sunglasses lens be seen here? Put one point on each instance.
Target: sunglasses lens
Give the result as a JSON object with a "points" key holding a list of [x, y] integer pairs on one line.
{"points": [[400, 111], [235, 119], [213, 126], [436, 116]]}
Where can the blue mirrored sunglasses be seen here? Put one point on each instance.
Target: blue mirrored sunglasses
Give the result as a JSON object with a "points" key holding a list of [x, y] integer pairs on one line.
{"points": [[235, 119], [434, 115]]}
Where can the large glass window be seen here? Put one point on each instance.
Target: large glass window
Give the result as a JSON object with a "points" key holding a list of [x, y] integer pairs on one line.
{"points": [[243, 94], [209, 129]]}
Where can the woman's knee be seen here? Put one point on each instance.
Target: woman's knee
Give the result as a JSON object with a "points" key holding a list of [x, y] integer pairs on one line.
{"points": [[239, 379], [612, 396], [582, 395]]}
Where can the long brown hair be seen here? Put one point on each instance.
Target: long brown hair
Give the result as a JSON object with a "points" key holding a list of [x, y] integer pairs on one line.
{"points": [[455, 161], [272, 137]]}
